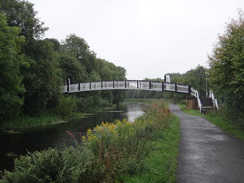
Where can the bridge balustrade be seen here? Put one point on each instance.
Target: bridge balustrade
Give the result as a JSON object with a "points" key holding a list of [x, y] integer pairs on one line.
{"points": [[126, 85]]}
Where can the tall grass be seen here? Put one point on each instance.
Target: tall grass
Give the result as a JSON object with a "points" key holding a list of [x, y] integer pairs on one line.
{"points": [[161, 162], [25, 122]]}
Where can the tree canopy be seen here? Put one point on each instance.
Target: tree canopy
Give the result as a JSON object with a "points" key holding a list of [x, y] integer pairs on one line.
{"points": [[227, 64], [11, 60]]}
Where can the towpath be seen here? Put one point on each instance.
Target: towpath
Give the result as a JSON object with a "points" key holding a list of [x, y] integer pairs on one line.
{"points": [[207, 154]]}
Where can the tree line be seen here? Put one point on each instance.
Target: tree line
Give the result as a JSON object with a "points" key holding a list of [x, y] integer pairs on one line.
{"points": [[32, 69], [196, 78]]}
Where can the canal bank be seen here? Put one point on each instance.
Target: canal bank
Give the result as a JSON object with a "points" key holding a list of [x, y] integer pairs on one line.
{"points": [[36, 139]]}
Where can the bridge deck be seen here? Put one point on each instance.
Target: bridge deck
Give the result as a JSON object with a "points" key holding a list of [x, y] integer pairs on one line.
{"points": [[127, 85]]}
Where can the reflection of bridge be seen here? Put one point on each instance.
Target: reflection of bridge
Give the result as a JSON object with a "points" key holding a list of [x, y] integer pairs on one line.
{"points": [[127, 85], [203, 105]]}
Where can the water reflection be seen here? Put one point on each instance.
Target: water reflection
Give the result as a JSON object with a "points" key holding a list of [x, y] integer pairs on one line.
{"points": [[56, 136], [134, 110]]}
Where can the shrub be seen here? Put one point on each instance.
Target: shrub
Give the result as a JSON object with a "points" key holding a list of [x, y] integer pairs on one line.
{"points": [[72, 165], [66, 107], [122, 146]]}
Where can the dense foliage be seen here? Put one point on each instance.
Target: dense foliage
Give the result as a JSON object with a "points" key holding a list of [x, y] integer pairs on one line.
{"points": [[227, 67], [10, 62], [33, 70], [109, 151]]}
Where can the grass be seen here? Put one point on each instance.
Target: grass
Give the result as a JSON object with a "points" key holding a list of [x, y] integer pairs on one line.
{"points": [[25, 122], [161, 163], [219, 120]]}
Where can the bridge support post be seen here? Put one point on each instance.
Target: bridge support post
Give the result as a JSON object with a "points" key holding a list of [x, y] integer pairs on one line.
{"points": [[175, 87], [162, 86]]}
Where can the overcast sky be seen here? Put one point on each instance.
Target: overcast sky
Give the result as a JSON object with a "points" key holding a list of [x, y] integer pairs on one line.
{"points": [[149, 38]]}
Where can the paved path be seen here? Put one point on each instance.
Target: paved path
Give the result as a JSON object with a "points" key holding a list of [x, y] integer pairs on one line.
{"points": [[207, 154]]}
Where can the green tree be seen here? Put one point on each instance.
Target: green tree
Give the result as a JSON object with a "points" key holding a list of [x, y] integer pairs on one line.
{"points": [[22, 14], [42, 80], [11, 60], [78, 48], [71, 68], [227, 64]]}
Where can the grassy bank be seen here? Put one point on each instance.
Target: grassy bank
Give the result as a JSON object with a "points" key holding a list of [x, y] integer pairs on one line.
{"points": [[219, 120], [160, 164], [25, 122], [111, 152]]}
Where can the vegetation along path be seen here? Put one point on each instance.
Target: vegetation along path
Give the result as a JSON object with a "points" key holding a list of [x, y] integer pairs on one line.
{"points": [[207, 154]]}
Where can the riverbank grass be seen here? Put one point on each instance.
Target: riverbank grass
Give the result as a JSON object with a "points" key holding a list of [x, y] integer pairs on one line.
{"points": [[161, 162], [26, 122]]}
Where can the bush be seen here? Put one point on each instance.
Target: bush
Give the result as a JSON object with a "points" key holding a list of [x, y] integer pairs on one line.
{"points": [[72, 165], [122, 146], [66, 107]]}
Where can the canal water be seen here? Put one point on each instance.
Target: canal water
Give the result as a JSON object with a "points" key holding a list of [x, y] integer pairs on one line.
{"points": [[56, 135]]}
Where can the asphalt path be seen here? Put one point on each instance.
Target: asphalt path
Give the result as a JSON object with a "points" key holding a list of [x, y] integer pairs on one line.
{"points": [[207, 154]]}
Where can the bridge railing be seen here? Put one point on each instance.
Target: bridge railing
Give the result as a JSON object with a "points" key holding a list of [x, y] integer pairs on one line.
{"points": [[214, 100], [126, 85], [196, 94]]}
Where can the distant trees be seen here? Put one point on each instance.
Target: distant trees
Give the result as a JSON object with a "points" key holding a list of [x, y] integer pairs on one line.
{"points": [[195, 77], [33, 70], [227, 65]]}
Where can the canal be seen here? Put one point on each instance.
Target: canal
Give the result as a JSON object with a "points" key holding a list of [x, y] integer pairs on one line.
{"points": [[37, 139]]}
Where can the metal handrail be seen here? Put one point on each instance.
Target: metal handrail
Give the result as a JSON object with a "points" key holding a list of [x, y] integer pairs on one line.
{"points": [[196, 94]]}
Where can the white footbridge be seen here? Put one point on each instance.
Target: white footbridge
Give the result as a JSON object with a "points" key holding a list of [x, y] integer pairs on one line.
{"points": [[127, 85], [140, 85]]}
